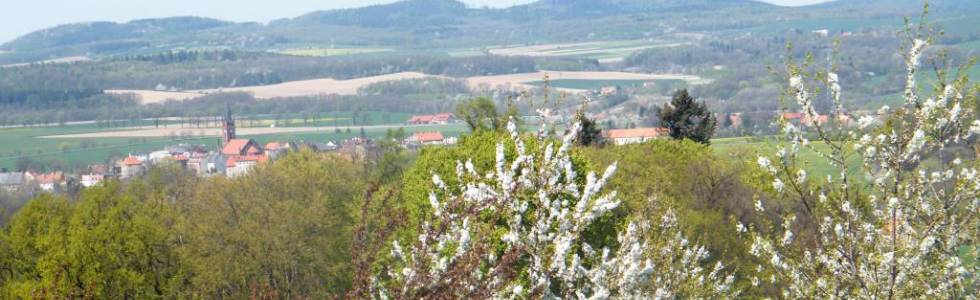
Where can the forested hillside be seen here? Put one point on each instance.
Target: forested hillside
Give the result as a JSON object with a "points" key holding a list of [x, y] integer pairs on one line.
{"points": [[426, 24]]}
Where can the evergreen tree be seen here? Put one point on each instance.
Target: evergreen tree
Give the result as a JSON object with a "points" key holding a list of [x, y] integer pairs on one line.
{"points": [[591, 134], [687, 119]]}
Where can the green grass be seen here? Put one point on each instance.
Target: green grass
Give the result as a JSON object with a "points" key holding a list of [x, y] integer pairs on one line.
{"points": [[322, 137], [818, 167], [334, 119], [26, 142], [589, 84], [18, 143]]}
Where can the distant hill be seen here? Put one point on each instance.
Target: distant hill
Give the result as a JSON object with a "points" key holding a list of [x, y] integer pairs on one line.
{"points": [[429, 24], [403, 13], [95, 32]]}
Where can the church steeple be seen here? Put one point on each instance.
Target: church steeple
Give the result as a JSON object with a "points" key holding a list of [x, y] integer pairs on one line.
{"points": [[228, 126]]}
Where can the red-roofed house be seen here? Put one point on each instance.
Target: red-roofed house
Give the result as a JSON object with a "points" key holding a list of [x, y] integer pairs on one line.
{"points": [[49, 181], [427, 138], [803, 119], [96, 174], [241, 165], [237, 147], [243, 155], [130, 167], [635, 135], [437, 119], [792, 116]]}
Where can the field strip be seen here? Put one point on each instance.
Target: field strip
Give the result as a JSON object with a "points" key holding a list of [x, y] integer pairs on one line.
{"points": [[327, 86], [520, 81], [149, 96], [317, 86], [177, 131], [286, 89], [624, 48]]}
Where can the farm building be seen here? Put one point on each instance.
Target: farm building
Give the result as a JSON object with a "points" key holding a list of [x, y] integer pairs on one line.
{"points": [[635, 135], [429, 138], [48, 182], [800, 118], [130, 167], [436, 119], [242, 155]]}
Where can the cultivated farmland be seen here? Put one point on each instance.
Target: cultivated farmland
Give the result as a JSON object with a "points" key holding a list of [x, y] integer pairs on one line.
{"points": [[350, 87]]}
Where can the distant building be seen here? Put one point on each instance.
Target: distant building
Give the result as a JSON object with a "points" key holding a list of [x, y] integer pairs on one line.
{"points": [[735, 119], [13, 181], [96, 175], [419, 139], [207, 164], [90, 180], [635, 135], [609, 90], [803, 119], [427, 138], [130, 167], [242, 147], [228, 126], [48, 182], [237, 166], [277, 149], [242, 155], [436, 119]]}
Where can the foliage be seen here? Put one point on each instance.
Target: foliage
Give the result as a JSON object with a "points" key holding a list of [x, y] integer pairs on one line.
{"points": [[687, 119], [522, 230], [900, 235], [591, 134], [709, 192], [108, 246], [281, 232], [480, 114]]}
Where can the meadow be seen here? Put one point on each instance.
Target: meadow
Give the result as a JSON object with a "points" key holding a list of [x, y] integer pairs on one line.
{"points": [[69, 153], [818, 167]]}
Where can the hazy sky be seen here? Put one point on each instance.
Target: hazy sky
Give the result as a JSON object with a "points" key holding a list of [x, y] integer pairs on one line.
{"points": [[22, 16]]}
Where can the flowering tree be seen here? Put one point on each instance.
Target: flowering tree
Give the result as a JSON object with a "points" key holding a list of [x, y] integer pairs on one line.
{"points": [[901, 235], [531, 228]]}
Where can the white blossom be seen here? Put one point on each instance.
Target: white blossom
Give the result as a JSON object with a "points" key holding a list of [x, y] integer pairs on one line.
{"points": [[898, 236], [545, 212]]}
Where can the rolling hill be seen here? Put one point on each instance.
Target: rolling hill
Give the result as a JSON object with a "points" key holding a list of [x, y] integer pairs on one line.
{"points": [[428, 24]]}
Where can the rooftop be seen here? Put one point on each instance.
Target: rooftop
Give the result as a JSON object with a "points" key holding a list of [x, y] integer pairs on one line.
{"points": [[637, 133]]}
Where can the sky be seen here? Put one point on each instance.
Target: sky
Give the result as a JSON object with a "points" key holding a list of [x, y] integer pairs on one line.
{"points": [[18, 17]]}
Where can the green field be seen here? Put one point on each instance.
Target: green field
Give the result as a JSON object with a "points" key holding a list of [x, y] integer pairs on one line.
{"points": [[592, 50], [589, 84], [76, 153], [748, 148], [69, 154], [323, 52]]}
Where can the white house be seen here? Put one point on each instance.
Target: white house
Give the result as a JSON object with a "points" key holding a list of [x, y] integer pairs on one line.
{"points": [[635, 135]]}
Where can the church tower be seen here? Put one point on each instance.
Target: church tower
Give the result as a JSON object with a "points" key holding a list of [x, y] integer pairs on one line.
{"points": [[228, 126]]}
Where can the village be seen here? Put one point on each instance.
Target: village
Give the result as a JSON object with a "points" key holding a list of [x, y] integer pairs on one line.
{"points": [[237, 156]]}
